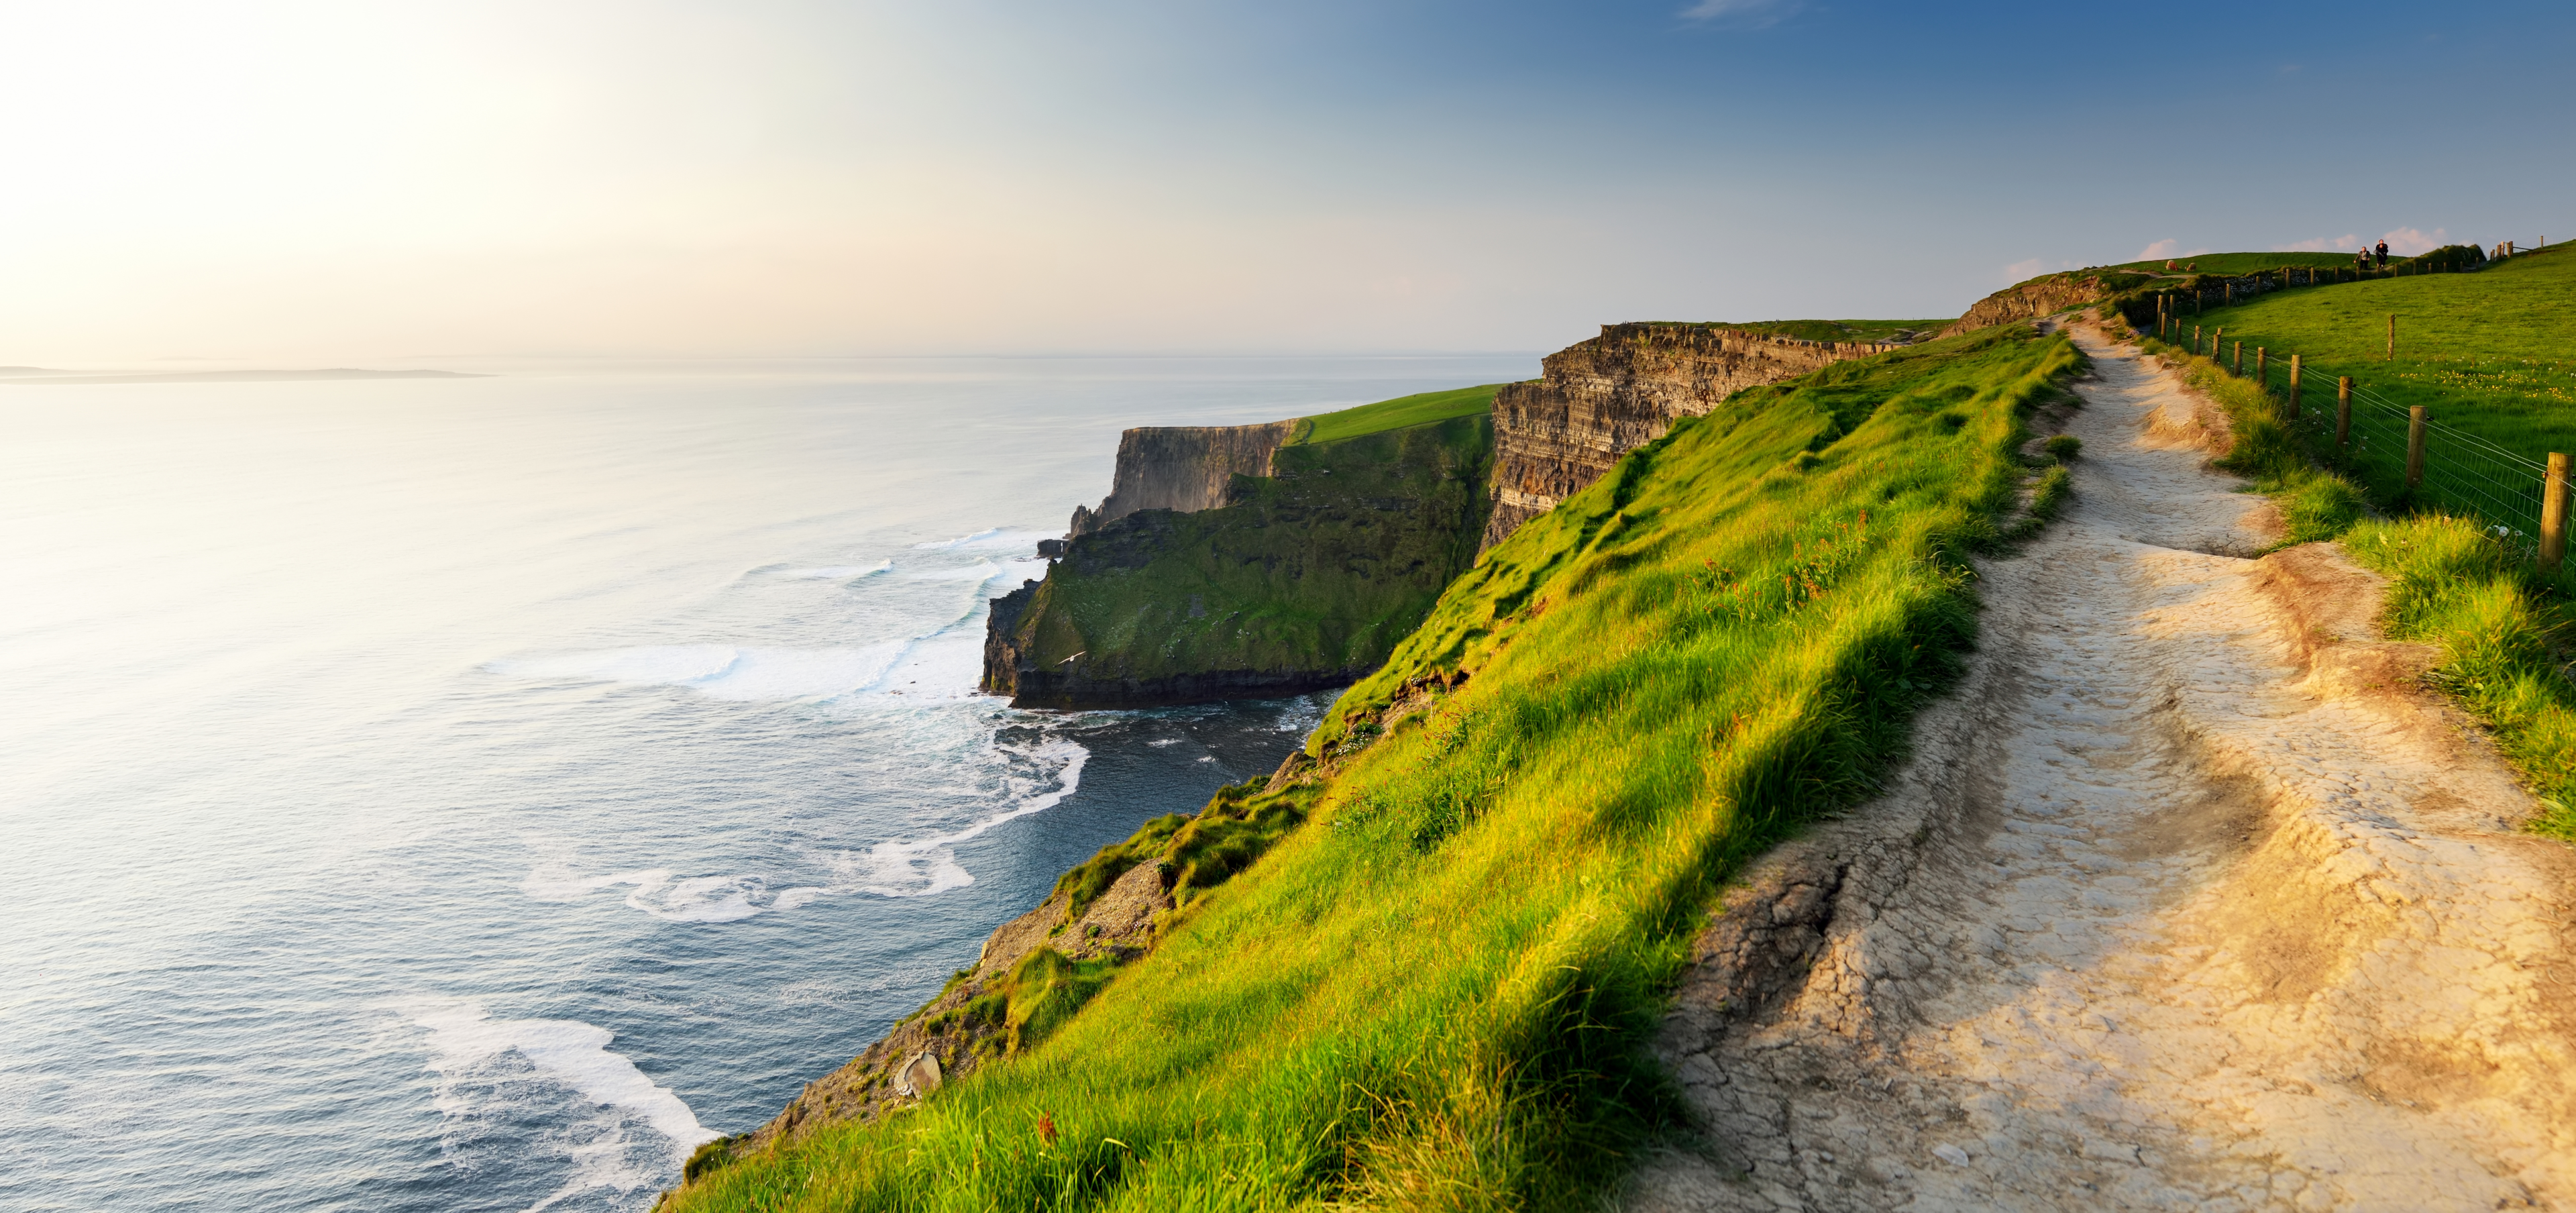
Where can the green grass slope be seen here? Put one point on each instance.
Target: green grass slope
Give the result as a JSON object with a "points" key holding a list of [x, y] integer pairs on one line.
{"points": [[1434, 992], [2492, 353], [1419, 409], [2246, 263]]}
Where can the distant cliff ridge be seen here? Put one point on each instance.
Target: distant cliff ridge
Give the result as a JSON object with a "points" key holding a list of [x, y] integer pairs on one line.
{"points": [[1250, 561], [2030, 300], [1599, 399], [1184, 468]]}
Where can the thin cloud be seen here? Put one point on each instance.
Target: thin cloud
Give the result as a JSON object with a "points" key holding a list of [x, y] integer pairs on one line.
{"points": [[2408, 241], [2164, 249], [2033, 267], [2340, 244], [1744, 12]]}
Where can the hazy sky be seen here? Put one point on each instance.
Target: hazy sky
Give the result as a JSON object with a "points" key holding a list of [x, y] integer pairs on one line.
{"points": [[342, 180]]}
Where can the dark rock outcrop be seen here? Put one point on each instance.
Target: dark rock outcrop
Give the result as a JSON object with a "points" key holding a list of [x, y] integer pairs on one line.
{"points": [[2029, 301], [1293, 581], [1601, 398], [1184, 468]]}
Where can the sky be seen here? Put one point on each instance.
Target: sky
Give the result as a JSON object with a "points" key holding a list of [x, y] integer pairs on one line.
{"points": [[344, 181]]}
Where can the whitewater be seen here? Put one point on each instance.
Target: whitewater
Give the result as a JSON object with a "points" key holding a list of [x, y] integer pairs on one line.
{"points": [[473, 794]]}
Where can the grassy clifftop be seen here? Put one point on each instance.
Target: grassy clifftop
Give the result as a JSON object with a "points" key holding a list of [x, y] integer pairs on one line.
{"points": [[1419, 409], [1433, 991]]}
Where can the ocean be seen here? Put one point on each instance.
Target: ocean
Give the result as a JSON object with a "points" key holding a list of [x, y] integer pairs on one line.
{"points": [[474, 793]]}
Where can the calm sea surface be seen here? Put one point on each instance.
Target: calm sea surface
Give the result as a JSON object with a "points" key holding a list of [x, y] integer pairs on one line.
{"points": [[472, 794]]}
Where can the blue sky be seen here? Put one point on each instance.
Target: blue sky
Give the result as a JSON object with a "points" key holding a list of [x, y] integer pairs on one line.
{"points": [[293, 178]]}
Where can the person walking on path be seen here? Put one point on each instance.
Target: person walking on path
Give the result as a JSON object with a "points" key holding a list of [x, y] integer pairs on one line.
{"points": [[2383, 254]]}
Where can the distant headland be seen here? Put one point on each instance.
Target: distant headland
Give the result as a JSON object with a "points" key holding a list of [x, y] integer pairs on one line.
{"points": [[36, 375]]}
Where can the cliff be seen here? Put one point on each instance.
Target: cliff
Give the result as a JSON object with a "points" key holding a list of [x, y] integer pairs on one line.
{"points": [[1598, 400], [1446, 973], [1297, 571], [2030, 300], [1184, 468]]}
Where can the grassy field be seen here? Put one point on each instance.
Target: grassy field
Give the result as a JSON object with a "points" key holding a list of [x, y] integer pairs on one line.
{"points": [[1434, 993], [2491, 353], [1419, 409], [2247, 263]]}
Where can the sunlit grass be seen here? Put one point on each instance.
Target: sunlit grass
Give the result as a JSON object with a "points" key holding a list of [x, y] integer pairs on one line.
{"points": [[1420, 408], [1435, 992], [2491, 353]]}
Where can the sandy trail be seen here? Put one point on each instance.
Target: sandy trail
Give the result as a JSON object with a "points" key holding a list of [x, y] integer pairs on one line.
{"points": [[2187, 900]]}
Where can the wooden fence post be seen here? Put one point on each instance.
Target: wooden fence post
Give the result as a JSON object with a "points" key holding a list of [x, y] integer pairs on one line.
{"points": [[2414, 447], [2553, 512], [2240, 359], [2392, 335], [2263, 367], [2294, 385], [2343, 410]]}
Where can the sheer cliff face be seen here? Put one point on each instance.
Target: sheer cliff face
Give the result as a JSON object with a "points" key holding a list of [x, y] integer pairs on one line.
{"points": [[1183, 468], [1597, 400]]}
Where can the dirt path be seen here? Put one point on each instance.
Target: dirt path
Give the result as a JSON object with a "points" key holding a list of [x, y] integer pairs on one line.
{"points": [[2187, 900]]}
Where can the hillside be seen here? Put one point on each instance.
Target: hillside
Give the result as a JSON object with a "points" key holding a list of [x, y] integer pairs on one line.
{"points": [[1624, 699], [2488, 353], [2245, 263], [1421, 408]]}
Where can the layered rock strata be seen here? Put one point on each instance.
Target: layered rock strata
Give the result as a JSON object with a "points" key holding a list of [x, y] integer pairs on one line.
{"points": [[1597, 400], [2029, 301], [1183, 468]]}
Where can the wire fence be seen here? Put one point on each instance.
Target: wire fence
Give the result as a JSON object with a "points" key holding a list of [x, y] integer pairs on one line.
{"points": [[2407, 461]]}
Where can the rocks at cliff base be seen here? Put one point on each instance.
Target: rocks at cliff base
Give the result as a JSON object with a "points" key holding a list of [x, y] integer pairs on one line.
{"points": [[919, 1076]]}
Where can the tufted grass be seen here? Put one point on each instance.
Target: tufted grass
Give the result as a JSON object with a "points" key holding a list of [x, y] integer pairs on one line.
{"points": [[1435, 992]]}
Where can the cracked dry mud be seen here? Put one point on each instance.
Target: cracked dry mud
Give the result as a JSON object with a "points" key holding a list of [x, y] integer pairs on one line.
{"points": [[2188, 899]]}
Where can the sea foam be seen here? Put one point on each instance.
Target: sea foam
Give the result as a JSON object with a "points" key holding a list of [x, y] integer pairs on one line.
{"points": [[719, 671], [923, 867], [899, 868], [836, 572], [988, 539], [467, 1048]]}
